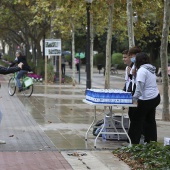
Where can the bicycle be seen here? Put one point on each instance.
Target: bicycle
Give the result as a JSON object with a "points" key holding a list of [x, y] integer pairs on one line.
{"points": [[26, 82]]}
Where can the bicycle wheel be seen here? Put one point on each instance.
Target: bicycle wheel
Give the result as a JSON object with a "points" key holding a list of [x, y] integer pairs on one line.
{"points": [[11, 86], [27, 91]]}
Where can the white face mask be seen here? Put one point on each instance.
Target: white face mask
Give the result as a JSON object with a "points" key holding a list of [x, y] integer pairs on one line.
{"points": [[133, 59]]}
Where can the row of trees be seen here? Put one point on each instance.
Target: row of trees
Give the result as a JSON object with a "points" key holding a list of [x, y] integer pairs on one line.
{"points": [[35, 19], [30, 21]]}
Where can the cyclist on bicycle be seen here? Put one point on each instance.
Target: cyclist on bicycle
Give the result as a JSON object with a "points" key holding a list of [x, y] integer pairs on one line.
{"points": [[25, 68]]}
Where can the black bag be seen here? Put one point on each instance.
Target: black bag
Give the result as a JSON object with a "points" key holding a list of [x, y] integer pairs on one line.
{"points": [[130, 86], [97, 125]]}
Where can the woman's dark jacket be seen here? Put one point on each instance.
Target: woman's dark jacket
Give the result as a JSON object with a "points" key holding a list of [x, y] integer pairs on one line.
{"points": [[21, 59], [5, 70]]}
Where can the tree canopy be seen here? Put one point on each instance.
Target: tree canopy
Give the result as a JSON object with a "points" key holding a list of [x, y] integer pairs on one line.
{"points": [[54, 18]]}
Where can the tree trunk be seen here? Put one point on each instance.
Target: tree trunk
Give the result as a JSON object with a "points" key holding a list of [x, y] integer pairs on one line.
{"points": [[73, 56], [130, 24], [39, 67], [108, 45], [91, 45], [33, 51], [164, 60]]}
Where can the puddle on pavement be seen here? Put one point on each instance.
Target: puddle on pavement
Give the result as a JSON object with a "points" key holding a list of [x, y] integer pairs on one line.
{"points": [[64, 120], [60, 90]]}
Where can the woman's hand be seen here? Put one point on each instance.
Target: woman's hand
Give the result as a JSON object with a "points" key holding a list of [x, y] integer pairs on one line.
{"points": [[135, 102]]}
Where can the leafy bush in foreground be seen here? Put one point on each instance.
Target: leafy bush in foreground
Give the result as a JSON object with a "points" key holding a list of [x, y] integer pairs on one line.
{"points": [[152, 156]]}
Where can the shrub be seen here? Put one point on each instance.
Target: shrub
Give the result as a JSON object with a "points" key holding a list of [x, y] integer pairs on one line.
{"points": [[99, 59], [68, 58], [117, 59], [149, 156], [50, 71], [39, 69]]}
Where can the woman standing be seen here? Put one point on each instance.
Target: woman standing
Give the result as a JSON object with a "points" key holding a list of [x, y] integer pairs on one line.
{"points": [[148, 98]]}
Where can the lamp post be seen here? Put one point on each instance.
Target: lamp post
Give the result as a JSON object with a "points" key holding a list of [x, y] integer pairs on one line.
{"points": [[135, 20], [88, 65]]}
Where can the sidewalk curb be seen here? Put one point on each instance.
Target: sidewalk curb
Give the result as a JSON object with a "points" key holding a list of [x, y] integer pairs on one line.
{"points": [[94, 160]]}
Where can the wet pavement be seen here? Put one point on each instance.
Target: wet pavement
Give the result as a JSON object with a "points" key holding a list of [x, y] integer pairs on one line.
{"points": [[54, 120]]}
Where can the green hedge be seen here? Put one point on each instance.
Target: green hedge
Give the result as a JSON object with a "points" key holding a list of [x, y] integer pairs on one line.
{"points": [[117, 59], [99, 59], [68, 58]]}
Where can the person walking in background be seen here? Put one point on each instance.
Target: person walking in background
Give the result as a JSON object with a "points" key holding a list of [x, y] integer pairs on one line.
{"points": [[148, 98], [20, 58], [77, 64], [63, 65], [5, 70]]}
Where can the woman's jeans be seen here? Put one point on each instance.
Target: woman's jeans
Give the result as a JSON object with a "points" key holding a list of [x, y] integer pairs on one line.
{"points": [[20, 74]]}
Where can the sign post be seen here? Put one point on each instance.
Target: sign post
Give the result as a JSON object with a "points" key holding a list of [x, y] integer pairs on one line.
{"points": [[53, 48]]}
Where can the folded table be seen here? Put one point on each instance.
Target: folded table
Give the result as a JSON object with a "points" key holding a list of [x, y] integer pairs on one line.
{"points": [[105, 114]]}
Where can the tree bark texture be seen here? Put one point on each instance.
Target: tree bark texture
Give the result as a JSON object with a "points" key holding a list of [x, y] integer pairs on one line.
{"points": [[108, 45], [130, 23], [164, 60], [91, 44], [73, 55]]}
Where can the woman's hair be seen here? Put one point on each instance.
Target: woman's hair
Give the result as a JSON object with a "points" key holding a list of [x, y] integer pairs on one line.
{"points": [[19, 52], [141, 58], [134, 50]]}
